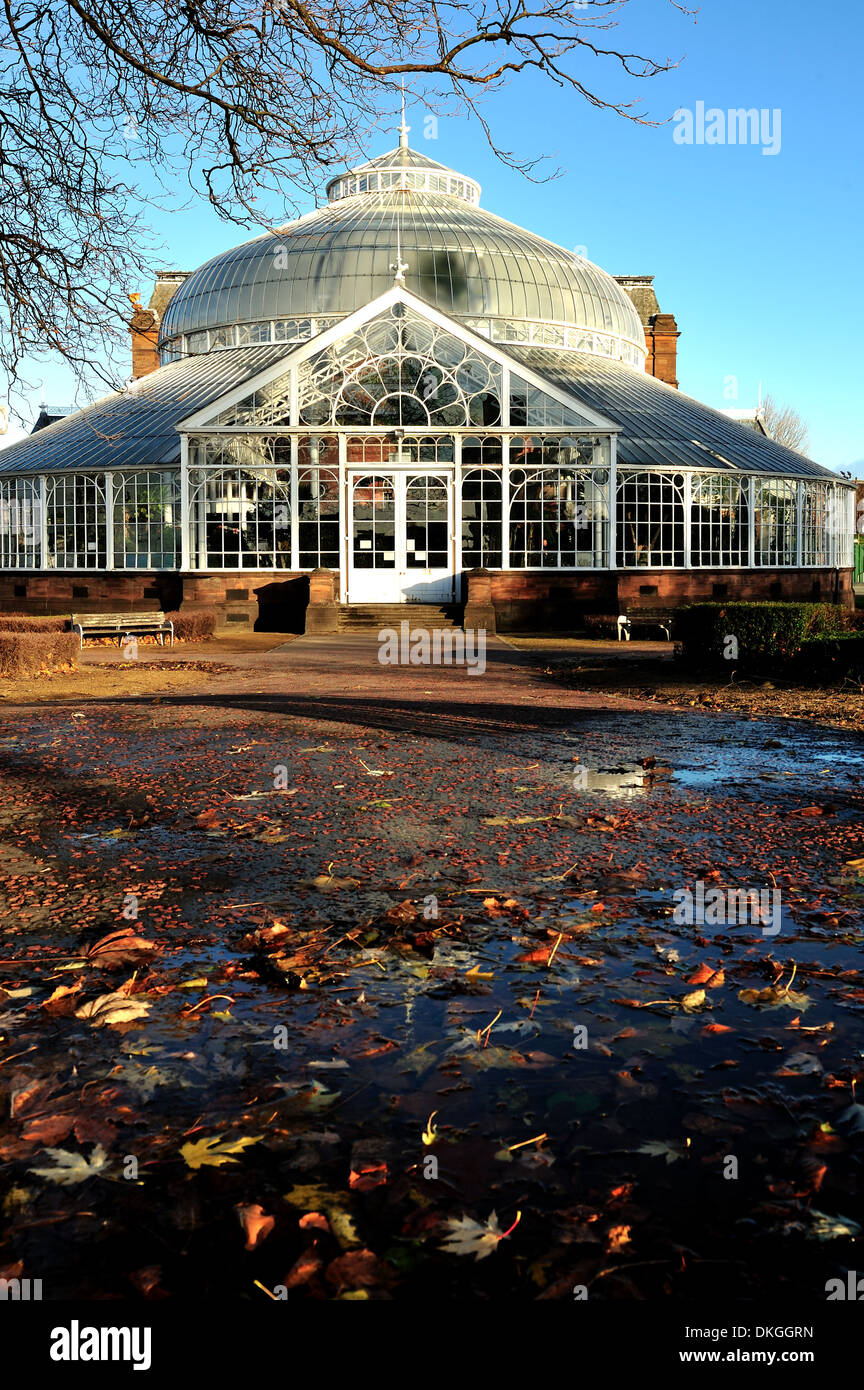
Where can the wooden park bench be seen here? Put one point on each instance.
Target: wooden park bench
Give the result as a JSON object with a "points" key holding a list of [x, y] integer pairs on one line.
{"points": [[645, 617], [121, 625]]}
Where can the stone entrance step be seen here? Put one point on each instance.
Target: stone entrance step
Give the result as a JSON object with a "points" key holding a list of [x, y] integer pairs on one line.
{"points": [[355, 617]]}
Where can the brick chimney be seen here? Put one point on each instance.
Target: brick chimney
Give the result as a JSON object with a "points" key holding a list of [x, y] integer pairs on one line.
{"points": [[661, 330], [144, 326], [144, 323]]}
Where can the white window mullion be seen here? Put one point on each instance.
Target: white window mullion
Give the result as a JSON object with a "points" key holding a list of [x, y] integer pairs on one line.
{"points": [[456, 503], [612, 557], [295, 502], [686, 502], [505, 499], [109, 520], [43, 522], [294, 396], [185, 515], [345, 508]]}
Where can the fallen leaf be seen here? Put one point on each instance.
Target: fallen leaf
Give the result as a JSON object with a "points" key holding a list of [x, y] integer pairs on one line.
{"points": [[256, 1225], [113, 1008], [465, 1236], [212, 1153], [72, 1167]]}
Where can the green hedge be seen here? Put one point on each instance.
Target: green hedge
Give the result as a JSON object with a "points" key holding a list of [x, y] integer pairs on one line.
{"points": [[831, 656], [766, 634], [28, 653]]}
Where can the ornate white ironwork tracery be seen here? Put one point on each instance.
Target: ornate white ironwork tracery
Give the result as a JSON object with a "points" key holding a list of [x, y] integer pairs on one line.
{"points": [[400, 370]]}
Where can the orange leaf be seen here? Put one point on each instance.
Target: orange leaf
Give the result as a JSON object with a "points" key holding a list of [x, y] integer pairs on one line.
{"points": [[255, 1223]]}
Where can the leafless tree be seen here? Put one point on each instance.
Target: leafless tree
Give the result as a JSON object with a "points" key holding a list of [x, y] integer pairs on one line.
{"points": [[101, 101], [785, 425]]}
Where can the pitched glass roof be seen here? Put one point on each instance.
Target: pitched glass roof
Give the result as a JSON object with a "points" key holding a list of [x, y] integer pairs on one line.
{"points": [[660, 425], [137, 427]]}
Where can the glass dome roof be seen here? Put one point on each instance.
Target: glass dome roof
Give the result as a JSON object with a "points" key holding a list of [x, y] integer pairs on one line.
{"points": [[406, 208]]}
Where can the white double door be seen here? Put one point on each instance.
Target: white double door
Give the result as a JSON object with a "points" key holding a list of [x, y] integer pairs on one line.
{"points": [[401, 541]]}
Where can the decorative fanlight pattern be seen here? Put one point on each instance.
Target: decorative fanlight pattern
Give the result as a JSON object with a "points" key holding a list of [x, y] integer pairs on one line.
{"points": [[400, 370]]}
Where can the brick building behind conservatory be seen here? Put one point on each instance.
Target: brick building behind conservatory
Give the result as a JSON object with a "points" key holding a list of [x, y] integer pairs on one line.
{"points": [[401, 398]]}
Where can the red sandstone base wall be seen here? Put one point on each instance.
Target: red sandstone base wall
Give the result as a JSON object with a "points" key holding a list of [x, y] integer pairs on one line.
{"points": [[261, 600], [268, 601], [526, 599]]}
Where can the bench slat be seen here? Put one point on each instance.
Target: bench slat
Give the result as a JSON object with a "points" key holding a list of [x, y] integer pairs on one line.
{"points": [[118, 624], [116, 619]]}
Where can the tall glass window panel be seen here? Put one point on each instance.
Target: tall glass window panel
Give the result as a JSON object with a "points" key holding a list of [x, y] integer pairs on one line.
{"points": [[146, 520], [650, 520], [481, 518], [775, 519], [559, 504], [318, 501], [76, 522], [241, 519], [426, 522], [20, 524], [719, 533], [818, 512]]}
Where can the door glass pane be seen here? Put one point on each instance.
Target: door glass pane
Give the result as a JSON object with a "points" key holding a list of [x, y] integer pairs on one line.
{"points": [[374, 523], [426, 523]]}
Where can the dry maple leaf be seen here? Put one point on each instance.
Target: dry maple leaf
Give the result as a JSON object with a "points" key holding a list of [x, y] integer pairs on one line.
{"points": [[465, 1236], [113, 1008], [774, 998], [212, 1153], [658, 1149], [72, 1167]]}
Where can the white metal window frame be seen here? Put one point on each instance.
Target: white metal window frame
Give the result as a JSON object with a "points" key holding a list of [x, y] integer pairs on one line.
{"points": [[829, 546], [21, 518], [776, 511], [395, 176], [666, 488], [76, 506], [547, 333], [713, 522], [256, 503], [127, 489], [590, 504], [356, 322]]}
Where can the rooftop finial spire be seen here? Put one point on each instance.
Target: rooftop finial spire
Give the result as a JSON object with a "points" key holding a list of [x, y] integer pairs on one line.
{"points": [[403, 128]]}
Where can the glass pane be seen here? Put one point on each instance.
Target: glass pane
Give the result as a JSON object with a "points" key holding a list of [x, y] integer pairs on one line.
{"points": [[426, 515], [374, 523]]}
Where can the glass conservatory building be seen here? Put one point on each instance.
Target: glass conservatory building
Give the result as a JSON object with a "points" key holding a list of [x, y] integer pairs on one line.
{"points": [[402, 398]]}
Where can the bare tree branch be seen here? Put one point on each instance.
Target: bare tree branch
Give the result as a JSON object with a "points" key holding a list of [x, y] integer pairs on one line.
{"points": [[785, 425], [245, 100]]}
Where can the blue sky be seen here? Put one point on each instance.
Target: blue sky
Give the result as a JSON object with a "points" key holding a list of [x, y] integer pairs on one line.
{"points": [[756, 254]]}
